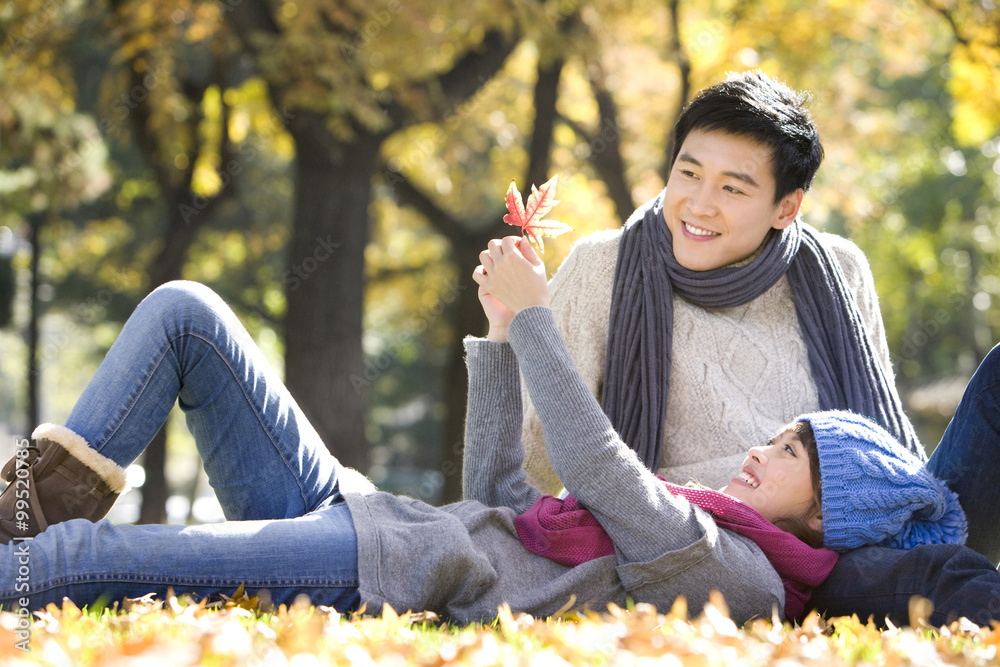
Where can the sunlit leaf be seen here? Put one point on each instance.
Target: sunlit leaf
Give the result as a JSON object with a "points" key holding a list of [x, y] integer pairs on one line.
{"points": [[530, 216]]}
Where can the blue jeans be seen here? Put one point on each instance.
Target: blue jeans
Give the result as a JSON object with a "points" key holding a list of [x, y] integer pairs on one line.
{"points": [[960, 581], [289, 530]]}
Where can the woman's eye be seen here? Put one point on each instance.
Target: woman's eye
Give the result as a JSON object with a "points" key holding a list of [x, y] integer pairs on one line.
{"points": [[790, 449]]}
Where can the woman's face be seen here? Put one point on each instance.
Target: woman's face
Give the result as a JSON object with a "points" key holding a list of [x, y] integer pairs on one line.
{"points": [[776, 480]]}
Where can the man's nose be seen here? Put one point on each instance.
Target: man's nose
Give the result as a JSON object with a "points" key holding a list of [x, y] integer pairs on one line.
{"points": [[703, 201]]}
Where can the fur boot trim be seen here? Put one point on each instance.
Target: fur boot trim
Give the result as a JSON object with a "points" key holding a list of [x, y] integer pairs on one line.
{"points": [[112, 473]]}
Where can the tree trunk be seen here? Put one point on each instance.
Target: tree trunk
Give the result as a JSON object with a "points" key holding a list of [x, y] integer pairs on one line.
{"points": [[154, 490], [684, 73], [324, 360], [324, 363], [545, 96], [34, 367], [605, 144]]}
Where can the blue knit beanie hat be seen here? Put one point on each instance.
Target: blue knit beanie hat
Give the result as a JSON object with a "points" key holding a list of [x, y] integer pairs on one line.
{"points": [[876, 492]]}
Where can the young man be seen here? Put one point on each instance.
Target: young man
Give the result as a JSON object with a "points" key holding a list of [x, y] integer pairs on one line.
{"points": [[715, 313]]}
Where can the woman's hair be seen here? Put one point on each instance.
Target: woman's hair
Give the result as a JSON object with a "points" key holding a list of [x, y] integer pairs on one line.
{"points": [[799, 525]]}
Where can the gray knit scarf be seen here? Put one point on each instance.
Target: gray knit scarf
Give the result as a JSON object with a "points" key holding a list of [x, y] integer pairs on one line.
{"points": [[637, 374]]}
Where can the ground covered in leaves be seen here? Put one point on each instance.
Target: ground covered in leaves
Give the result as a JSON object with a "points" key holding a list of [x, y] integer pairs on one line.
{"points": [[180, 632]]}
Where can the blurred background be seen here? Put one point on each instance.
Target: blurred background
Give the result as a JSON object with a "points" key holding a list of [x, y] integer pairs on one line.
{"points": [[333, 168]]}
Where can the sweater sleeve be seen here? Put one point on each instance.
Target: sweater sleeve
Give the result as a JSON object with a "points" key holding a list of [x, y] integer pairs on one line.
{"points": [[580, 301], [643, 519], [492, 472]]}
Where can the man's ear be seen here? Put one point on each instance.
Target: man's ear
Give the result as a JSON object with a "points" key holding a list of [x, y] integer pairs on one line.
{"points": [[788, 209]]}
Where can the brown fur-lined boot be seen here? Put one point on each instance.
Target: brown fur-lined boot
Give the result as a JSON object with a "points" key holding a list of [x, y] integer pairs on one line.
{"points": [[61, 478]]}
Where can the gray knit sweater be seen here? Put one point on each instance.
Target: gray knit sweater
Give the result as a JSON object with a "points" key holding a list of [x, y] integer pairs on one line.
{"points": [[464, 560]]}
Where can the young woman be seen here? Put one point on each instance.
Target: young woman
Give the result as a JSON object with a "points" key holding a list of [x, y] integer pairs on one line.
{"points": [[300, 523]]}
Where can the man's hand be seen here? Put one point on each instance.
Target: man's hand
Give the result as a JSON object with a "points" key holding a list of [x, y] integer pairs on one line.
{"points": [[511, 278]]}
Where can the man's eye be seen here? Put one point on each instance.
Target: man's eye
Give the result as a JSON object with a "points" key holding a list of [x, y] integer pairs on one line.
{"points": [[735, 191]]}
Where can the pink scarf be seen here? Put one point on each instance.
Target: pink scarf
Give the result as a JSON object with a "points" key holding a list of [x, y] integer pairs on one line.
{"points": [[566, 532]]}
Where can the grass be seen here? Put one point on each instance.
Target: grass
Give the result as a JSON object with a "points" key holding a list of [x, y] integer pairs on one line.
{"points": [[179, 631]]}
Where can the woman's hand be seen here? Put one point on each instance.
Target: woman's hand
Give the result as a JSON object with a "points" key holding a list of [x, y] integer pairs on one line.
{"points": [[498, 314], [511, 277]]}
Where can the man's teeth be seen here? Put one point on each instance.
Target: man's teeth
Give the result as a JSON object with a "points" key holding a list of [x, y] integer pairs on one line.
{"points": [[749, 480], [697, 231]]}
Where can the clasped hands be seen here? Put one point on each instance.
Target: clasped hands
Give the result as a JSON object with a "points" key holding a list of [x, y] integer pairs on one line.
{"points": [[511, 277]]}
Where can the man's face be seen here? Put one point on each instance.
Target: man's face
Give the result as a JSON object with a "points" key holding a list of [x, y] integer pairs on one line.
{"points": [[720, 200], [776, 479]]}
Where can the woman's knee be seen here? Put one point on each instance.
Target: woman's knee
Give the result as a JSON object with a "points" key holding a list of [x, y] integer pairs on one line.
{"points": [[180, 291], [182, 296], [179, 307]]}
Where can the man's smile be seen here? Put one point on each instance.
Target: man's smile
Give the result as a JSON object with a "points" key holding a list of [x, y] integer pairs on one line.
{"points": [[698, 231]]}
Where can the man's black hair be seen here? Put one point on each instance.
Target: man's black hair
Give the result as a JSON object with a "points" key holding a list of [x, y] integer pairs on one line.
{"points": [[753, 105]]}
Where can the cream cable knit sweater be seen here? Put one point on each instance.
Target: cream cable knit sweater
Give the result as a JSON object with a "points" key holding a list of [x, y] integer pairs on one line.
{"points": [[737, 375]]}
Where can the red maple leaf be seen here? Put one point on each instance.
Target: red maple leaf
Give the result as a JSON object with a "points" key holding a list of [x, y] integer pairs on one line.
{"points": [[529, 216]]}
